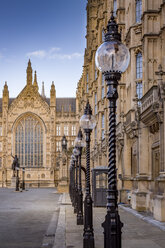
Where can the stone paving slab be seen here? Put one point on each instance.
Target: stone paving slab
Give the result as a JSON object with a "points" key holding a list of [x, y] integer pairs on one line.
{"points": [[136, 233]]}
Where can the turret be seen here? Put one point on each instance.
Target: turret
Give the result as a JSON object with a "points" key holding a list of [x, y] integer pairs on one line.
{"points": [[43, 91], [52, 95], [35, 84], [29, 73], [5, 95]]}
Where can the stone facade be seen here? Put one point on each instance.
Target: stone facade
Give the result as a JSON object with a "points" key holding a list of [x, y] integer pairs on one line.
{"points": [[141, 102], [32, 127]]}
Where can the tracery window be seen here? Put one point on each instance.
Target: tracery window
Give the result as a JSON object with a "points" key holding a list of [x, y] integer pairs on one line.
{"points": [[58, 130], [66, 130], [58, 146], [73, 131], [138, 10], [29, 142], [139, 65]]}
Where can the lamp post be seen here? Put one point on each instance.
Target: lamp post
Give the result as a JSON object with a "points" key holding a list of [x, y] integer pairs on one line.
{"points": [[75, 184], [23, 178], [79, 142], [112, 58], [17, 179], [87, 122], [76, 154], [64, 143]]}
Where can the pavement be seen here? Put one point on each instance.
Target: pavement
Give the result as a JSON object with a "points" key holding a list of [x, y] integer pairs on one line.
{"points": [[139, 231], [42, 218]]}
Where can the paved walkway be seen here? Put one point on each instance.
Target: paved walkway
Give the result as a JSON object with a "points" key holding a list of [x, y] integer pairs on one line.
{"points": [[137, 233], [28, 219], [41, 218]]}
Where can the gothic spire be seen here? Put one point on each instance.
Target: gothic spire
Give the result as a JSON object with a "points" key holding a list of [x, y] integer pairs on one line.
{"points": [[29, 73], [35, 84], [43, 91]]}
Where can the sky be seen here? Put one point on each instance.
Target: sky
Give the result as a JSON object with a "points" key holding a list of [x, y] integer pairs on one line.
{"points": [[49, 32]]}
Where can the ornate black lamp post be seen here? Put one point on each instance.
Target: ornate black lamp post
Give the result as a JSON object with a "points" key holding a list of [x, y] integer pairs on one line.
{"points": [[79, 143], [87, 122], [75, 184], [64, 143], [76, 154], [112, 58], [17, 179], [23, 178]]}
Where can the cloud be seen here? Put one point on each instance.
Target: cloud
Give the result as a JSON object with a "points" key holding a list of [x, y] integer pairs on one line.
{"points": [[53, 53], [38, 54]]}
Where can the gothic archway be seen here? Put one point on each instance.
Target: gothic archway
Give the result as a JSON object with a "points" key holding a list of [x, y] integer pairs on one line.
{"points": [[28, 141]]}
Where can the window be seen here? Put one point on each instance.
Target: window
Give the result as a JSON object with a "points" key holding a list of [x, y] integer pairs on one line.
{"points": [[73, 131], [114, 7], [58, 146], [0, 146], [0, 162], [138, 10], [58, 131], [139, 90], [139, 74], [95, 103], [102, 89], [0, 130], [66, 130], [102, 127], [29, 142], [87, 89], [72, 143], [139, 65], [87, 77]]}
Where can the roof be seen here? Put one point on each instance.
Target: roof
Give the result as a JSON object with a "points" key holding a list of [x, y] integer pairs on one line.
{"points": [[65, 102]]}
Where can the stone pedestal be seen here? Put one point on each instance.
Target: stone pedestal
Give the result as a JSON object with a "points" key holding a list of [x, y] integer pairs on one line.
{"points": [[138, 201], [159, 208], [63, 187], [13, 182]]}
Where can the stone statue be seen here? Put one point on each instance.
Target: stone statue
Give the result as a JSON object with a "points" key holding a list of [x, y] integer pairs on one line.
{"points": [[15, 164]]}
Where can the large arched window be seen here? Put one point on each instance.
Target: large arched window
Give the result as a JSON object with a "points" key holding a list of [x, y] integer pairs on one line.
{"points": [[29, 142]]}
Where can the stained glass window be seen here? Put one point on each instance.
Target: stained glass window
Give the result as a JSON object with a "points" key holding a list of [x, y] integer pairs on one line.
{"points": [[29, 142]]}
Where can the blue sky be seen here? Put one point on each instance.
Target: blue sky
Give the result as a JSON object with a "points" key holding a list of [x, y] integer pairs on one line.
{"points": [[49, 32]]}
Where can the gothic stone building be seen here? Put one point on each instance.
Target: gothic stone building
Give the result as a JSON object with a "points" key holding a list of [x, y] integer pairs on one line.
{"points": [[141, 102], [32, 127]]}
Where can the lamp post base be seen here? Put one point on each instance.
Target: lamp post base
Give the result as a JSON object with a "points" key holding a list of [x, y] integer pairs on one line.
{"points": [[80, 208], [88, 236], [112, 230]]}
